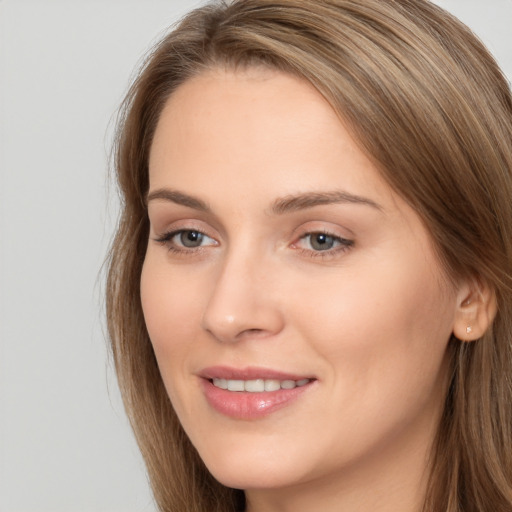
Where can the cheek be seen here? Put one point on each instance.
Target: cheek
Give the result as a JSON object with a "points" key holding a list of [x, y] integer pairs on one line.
{"points": [[171, 309], [172, 314], [396, 296], [383, 330]]}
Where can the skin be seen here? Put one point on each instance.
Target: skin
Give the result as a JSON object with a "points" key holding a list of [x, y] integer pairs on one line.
{"points": [[369, 319]]}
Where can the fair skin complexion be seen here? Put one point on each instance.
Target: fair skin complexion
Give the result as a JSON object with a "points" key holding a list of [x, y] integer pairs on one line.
{"points": [[275, 244]]}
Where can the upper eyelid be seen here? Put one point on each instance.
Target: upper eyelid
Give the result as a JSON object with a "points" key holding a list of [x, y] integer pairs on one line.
{"points": [[321, 231], [322, 228], [179, 231], [344, 240], [171, 233], [157, 226], [166, 224]]}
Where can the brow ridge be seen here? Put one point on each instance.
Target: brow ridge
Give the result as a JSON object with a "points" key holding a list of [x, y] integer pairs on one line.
{"points": [[280, 206], [293, 203], [177, 197]]}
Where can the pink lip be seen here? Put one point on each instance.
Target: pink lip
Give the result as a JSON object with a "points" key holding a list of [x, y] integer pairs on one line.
{"points": [[245, 405]]}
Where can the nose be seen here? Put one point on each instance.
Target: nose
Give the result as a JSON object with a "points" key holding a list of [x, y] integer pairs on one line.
{"points": [[243, 303]]}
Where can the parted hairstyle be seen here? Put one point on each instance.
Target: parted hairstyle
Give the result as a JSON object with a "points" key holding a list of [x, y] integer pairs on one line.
{"points": [[430, 107]]}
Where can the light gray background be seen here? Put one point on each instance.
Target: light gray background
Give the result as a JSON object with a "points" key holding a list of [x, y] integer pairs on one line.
{"points": [[65, 445]]}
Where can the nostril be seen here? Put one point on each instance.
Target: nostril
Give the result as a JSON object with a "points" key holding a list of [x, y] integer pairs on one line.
{"points": [[253, 333]]}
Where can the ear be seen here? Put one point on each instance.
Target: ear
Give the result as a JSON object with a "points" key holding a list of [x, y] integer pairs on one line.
{"points": [[476, 309]]}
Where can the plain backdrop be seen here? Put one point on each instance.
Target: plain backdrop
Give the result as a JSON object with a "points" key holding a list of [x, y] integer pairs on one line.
{"points": [[65, 445]]}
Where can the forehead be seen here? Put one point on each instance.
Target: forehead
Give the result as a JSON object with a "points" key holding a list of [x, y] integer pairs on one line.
{"points": [[227, 100], [260, 124]]}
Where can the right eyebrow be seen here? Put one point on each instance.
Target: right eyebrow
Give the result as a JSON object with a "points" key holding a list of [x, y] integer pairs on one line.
{"points": [[174, 196]]}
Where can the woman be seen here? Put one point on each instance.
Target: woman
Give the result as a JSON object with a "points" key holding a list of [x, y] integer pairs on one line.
{"points": [[309, 296]]}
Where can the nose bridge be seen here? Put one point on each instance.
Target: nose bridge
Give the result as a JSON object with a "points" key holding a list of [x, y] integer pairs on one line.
{"points": [[241, 302]]}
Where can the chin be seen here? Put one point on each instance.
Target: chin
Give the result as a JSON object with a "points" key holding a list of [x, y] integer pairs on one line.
{"points": [[251, 479], [260, 471]]}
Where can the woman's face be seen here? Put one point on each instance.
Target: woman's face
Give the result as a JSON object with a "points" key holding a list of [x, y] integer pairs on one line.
{"points": [[280, 264]]}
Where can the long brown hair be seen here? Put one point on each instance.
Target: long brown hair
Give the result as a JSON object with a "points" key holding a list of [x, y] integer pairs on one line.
{"points": [[429, 105]]}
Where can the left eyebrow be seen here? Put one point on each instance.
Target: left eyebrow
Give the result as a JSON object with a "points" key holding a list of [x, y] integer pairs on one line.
{"points": [[294, 203]]}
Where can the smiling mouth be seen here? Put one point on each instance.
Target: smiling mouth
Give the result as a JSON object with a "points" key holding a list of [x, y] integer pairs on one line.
{"points": [[258, 385], [252, 393]]}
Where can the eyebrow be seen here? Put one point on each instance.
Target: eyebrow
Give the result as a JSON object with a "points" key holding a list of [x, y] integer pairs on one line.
{"points": [[177, 197], [280, 206], [311, 199]]}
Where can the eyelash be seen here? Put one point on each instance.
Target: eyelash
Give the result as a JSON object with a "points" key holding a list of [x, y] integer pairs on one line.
{"points": [[166, 240], [343, 243]]}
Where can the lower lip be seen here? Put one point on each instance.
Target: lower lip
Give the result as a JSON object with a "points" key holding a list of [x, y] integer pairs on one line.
{"points": [[249, 406]]}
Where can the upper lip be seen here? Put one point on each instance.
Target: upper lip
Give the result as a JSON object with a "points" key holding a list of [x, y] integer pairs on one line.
{"points": [[249, 373]]}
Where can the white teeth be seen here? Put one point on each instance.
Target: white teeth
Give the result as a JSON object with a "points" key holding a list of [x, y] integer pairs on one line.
{"points": [[235, 385], [221, 383], [255, 386], [272, 385], [258, 385], [288, 384]]}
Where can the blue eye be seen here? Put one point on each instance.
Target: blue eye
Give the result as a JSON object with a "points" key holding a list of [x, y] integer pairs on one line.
{"points": [[190, 238], [183, 240], [323, 242]]}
